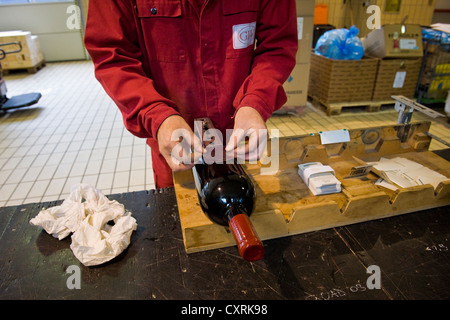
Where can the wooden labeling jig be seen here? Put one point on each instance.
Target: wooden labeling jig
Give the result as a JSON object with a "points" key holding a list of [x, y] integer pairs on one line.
{"points": [[285, 206]]}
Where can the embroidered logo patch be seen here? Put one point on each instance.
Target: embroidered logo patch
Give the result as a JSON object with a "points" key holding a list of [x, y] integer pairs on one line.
{"points": [[243, 35]]}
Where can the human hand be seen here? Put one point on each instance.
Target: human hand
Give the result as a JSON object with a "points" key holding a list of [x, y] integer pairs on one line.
{"points": [[178, 144], [247, 123]]}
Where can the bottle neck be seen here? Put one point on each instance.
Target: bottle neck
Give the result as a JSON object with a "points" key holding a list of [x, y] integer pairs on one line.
{"points": [[234, 209]]}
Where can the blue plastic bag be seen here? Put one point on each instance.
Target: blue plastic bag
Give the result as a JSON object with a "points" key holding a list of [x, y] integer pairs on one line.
{"points": [[436, 36], [341, 44]]}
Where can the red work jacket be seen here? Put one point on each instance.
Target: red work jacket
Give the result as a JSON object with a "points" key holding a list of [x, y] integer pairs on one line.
{"points": [[157, 58]]}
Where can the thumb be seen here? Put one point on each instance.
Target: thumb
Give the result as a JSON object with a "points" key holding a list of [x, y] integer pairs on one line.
{"points": [[235, 138]]}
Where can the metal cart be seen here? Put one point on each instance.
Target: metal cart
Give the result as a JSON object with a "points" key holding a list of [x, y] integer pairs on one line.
{"points": [[19, 101], [434, 79]]}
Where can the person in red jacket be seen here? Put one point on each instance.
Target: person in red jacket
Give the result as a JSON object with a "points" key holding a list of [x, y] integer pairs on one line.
{"points": [[168, 62]]}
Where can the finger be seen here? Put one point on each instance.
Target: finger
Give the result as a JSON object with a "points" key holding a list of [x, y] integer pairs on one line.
{"points": [[188, 148], [197, 149], [242, 151], [236, 137], [178, 163], [257, 153], [179, 152], [174, 163], [253, 150], [253, 141], [175, 155], [261, 145]]}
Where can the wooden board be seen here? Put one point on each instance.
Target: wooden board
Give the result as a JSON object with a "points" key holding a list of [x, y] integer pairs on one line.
{"points": [[285, 206], [31, 70]]}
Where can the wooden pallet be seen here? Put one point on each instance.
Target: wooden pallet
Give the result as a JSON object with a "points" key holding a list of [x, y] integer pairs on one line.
{"points": [[30, 70], [285, 206], [335, 108]]}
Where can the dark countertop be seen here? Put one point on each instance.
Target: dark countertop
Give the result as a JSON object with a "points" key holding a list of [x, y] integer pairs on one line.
{"points": [[412, 252]]}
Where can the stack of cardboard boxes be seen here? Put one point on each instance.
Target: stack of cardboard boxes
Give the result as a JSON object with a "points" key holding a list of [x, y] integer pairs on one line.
{"points": [[296, 86], [399, 50], [390, 66], [30, 56], [335, 81]]}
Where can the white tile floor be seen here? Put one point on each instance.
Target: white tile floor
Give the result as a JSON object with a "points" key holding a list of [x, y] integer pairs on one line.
{"points": [[74, 134]]}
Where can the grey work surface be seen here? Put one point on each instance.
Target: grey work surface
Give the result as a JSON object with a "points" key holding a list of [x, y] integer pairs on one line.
{"points": [[411, 250]]}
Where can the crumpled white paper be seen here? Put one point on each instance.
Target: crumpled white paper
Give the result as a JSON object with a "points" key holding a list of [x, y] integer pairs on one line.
{"points": [[94, 241]]}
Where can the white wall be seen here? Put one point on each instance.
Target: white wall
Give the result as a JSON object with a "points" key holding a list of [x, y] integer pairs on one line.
{"points": [[442, 16], [49, 22]]}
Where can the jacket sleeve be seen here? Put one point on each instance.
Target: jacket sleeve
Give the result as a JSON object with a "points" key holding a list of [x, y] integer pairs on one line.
{"points": [[273, 58], [112, 41]]}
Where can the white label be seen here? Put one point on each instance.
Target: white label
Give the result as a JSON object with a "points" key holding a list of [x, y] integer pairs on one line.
{"points": [[243, 35], [300, 28], [335, 136], [399, 79], [408, 44]]}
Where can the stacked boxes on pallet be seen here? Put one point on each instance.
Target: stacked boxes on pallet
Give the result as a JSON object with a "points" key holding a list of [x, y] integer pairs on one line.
{"points": [[29, 57], [396, 77], [334, 81], [399, 48], [391, 66]]}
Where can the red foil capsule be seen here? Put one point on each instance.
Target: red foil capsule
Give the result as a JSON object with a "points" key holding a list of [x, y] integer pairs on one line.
{"points": [[250, 246]]}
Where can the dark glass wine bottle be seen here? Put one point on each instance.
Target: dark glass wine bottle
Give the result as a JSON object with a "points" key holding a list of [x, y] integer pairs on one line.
{"points": [[227, 196]]}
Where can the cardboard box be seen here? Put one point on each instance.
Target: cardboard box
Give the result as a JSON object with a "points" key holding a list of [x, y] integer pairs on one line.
{"points": [[321, 14], [396, 77], [296, 87], [394, 41], [305, 7], [30, 55], [334, 81], [305, 28]]}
